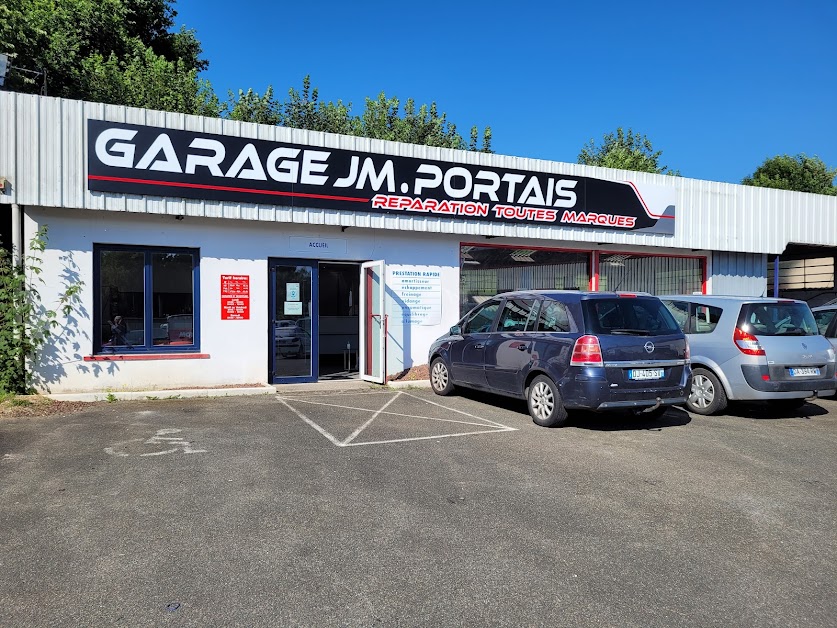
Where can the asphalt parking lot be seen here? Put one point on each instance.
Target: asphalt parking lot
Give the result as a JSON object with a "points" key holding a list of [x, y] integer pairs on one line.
{"points": [[400, 508]]}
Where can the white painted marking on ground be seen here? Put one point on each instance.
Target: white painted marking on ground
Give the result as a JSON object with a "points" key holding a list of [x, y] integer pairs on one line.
{"points": [[404, 440], [310, 422], [120, 454], [374, 416], [493, 425], [180, 443], [408, 416], [434, 403], [161, 437]]}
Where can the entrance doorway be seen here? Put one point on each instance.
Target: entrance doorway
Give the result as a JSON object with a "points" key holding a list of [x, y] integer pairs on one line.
{"points": [[317, 309], [339, 311], [293, 337]]}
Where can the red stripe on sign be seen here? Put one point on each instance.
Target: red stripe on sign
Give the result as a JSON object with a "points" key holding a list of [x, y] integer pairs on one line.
{"points": [[224, 188], [642, 200]]}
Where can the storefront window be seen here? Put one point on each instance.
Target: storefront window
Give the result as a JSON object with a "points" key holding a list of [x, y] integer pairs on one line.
{"points": [[486, 271], [145, 299], [658, 274]]}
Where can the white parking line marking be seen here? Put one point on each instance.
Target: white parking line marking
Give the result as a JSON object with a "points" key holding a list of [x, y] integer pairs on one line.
{"points": [[404, 440], [374, 416], [310, 422], [493, 425], [459, 411], [409, 416]]}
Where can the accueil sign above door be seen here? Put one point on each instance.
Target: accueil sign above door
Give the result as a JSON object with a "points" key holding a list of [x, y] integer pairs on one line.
{"points": [[135, 159]]}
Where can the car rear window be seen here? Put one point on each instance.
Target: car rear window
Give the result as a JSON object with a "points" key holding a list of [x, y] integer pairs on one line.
{"points": [[639, 316], [777, 319]]}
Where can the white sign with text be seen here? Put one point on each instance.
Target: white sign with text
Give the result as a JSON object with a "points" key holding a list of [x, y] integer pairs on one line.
{"points": [[416, 292]]}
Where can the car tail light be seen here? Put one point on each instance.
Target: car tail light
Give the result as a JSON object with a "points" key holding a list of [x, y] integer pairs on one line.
{"points": [[747, 343], [688, 350], [587, 352]]}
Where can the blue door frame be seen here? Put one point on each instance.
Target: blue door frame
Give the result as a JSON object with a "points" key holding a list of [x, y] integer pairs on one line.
{"points": [[282, 368]]}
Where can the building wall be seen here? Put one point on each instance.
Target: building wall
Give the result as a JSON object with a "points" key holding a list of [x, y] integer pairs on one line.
{"points": [[739, 274], [238, 350]]}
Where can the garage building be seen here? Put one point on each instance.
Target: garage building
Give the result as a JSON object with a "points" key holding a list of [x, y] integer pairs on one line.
{"points": [[213, 252]]}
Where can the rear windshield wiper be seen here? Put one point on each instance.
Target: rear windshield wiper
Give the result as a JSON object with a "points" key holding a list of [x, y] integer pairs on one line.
{"points": [[628, 332]]}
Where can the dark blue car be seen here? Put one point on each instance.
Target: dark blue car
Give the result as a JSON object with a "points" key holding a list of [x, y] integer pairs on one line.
{"points": [[564, 350]]}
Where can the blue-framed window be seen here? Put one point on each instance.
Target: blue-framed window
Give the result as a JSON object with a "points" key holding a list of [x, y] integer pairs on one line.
{"points": [[145, 299]]}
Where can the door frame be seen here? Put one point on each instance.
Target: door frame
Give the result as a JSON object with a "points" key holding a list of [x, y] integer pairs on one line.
{"points": [[272, 263], [370, 310]]}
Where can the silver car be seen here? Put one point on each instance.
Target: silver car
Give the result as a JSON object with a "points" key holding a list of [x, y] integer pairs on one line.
{"points": [[753, 349], [826, 318]]}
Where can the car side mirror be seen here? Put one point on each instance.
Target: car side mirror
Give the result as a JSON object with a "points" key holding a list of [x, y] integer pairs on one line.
{"points": [[456, 330]]}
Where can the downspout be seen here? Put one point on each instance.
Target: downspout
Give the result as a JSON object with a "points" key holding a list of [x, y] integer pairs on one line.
{"points": [[776, 277], [17, 234], [17, 261]]}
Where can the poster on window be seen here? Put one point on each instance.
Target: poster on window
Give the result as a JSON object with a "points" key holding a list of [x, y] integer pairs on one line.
{"points": [[416, 295], [235, 297]]}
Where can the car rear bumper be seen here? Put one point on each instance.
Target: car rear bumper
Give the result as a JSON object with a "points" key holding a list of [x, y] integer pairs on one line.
{"points": [[754, 376], [583, 391]]}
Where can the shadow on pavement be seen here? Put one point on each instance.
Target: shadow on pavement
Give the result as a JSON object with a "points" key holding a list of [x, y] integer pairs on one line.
{"points": [[767, 411], [602, 421], [622, 421]]}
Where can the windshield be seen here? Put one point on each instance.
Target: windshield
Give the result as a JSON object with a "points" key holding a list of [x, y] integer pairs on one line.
{"points": [[777, 319], [637, 316]]}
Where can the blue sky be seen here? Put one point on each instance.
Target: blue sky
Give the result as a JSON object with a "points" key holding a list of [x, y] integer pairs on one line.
{"points": [[717, 86]]}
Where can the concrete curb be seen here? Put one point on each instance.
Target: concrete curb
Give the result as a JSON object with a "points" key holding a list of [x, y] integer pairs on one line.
{"points": [[415, 383], [142, 395]]}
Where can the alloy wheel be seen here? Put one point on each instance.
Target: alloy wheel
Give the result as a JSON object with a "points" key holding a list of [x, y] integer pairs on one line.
{"points": [[542, 400], [439, 376], [703, 392]]}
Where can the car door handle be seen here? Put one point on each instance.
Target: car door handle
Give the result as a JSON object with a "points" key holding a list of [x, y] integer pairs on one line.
{"points": [[479, 346], [522, 347]]}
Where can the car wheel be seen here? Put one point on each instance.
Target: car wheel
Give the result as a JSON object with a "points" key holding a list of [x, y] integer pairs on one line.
{"points": [[545, 405], [707, 395], [440, 380]]}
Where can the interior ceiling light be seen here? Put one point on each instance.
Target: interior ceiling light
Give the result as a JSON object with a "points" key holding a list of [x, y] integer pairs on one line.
{"points": [[522, 255]]}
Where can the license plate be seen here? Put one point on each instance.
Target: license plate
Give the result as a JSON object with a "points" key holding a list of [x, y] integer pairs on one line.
{"points": [[641, 374], [805, 371]]}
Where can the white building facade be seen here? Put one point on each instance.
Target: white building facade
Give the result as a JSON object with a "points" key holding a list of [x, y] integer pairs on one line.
{"points": [[213, 252]]}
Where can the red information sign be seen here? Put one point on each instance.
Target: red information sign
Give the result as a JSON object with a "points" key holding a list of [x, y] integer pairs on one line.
{"points": [[235, 297]]}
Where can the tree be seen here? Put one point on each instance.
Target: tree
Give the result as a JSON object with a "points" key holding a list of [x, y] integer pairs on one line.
{"points": [[250, 107], [626, 151], [25, 322], [799, 173], [304, 110], [382, 118], [115, 51]]}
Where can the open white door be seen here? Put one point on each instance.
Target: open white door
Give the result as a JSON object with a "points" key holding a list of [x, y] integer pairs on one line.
{"points": [[373, 322]]}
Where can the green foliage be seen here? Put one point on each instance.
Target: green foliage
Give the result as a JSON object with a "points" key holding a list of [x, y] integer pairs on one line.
{"points": [[382, 118], [114, 51], [25, 324], [148, 80], [305, 110], [250, 107], [798, 173], [626, 151]]}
